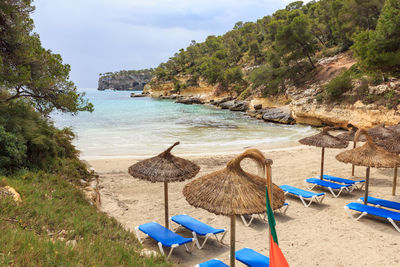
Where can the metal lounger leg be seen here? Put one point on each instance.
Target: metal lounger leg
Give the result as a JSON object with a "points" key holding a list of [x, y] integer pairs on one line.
{"points": [[222, 237], [244, 220], [394, 224], [189, 250], [138, 234], [304, 203], [351, 216], [197, 240]]}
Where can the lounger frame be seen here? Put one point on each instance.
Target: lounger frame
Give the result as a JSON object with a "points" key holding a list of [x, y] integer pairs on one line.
{"points": [[318, 199], [160, 246], [263, 216], [347, 209], [195, 238], [343, 188], [357, 185]]}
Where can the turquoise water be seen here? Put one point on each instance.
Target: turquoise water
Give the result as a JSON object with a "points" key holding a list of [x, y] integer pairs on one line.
{"points": [[122, 126]]}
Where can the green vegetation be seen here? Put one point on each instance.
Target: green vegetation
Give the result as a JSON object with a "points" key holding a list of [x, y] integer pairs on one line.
{"points": [[146, 72], [54, 224], [283, 48], [36, 231], [29, 71]]}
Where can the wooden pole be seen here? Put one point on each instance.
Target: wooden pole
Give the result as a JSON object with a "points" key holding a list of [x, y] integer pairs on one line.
{"points": [[166, 203], [394, 182], [233, 231], [322, 163], [366, 187], [352, 165], [269, 187]]}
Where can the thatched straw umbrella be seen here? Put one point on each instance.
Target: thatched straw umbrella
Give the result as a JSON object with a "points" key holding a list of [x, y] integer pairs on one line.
{"points": [[164, 168], [380, 132], [349, 136], [232, 191], [392, 145], [368, 155], [324, 139]]}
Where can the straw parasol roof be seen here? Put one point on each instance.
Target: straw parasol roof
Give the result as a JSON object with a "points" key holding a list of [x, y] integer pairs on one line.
{"points": [[324, 139], [232, 191], [380, 132], [164, 167], [349, 135], [391, 144], [369, 154]]}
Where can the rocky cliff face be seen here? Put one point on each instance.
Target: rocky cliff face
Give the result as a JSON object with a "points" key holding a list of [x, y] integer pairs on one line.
{"points": [[124, 81]]}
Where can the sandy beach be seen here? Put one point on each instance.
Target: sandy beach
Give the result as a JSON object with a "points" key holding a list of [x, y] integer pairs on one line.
{"points": [[321, 235]]}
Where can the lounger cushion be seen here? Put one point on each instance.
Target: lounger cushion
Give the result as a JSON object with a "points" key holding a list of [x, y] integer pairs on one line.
{"points": [[374, 211], [299, 192], [163, 235], [341, 180], [326, 183], [213, 263], [194, 225], [383, 203], [252, 258]]}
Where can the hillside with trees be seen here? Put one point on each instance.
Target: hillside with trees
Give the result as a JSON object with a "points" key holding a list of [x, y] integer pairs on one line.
{"points": [[45, 217], [265, 57]]}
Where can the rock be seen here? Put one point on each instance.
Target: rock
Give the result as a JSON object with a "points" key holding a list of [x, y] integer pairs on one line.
{"points": [[280, 115], [226, 99], [137, 95], [258, 107], [227, 104], [189, 101], [239, 106], [9, 191], [148, 253]]}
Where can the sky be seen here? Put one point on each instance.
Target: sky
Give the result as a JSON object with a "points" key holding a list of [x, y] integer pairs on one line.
{"points": [[97, 36]]}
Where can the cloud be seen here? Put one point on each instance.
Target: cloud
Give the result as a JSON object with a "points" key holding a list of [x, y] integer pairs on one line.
{"points": [[96, 36]]}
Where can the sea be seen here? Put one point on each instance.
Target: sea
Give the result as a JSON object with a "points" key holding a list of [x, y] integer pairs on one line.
{"points": [[123, 127]]}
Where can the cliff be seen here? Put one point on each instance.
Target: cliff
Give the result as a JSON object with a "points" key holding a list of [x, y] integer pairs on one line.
{"points": [[125, 80]]}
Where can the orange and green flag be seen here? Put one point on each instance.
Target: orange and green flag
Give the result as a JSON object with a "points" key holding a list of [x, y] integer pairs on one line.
{"points": [[276, 257]]}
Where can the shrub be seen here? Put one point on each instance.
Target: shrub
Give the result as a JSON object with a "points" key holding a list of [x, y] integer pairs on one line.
{"points": [[338, 85]]}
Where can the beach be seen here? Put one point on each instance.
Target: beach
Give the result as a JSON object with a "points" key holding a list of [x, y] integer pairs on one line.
{"points": [[321, 235]]}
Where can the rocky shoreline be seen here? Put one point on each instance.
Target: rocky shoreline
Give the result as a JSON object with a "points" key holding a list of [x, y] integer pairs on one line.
{"points": [[298, 105]]}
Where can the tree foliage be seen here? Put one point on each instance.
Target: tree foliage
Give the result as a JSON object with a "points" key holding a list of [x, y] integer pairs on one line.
{"points": [[285, 45], [27, 70], [379, 49]]}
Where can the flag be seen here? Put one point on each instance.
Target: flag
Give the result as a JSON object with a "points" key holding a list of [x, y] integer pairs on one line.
{"points": [[276, 257]]}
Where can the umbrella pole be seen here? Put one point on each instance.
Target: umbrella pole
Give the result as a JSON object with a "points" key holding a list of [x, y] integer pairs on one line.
{"points": [[269, 196], [394, 181], [233, 231], [352, 165], [322, 163], [366, 187], [166, 203]]}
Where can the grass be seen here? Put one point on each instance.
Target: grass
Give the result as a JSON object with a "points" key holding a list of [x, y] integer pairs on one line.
{"points": [[54, 211]]}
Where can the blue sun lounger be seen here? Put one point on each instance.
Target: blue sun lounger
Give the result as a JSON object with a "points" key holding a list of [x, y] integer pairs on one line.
{"points": [[391, 216], [282, 210], [198, 228], [163, 236], [378, 202], [212, 263], [251, 258], [355, 184], [328, 185], [303, 194]]}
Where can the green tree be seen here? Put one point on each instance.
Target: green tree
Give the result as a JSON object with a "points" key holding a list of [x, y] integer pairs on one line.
{"points": [[379, 50], [27, 70]]}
